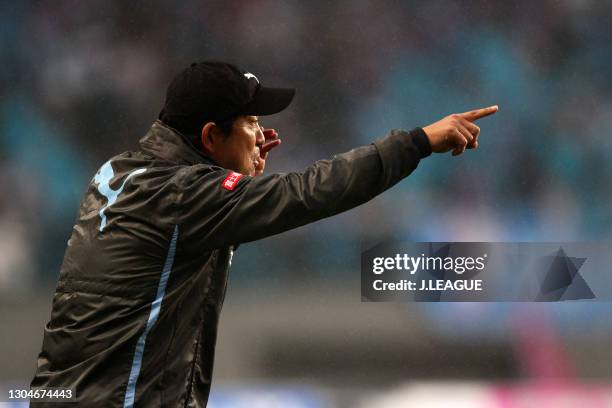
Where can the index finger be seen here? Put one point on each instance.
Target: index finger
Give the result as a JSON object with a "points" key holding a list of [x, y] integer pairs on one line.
{"points": [[479, 113], [269, 146], [270, 134]]}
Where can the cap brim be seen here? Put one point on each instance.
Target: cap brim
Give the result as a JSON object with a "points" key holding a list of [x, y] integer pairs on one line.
{"points": [[268, 101]]}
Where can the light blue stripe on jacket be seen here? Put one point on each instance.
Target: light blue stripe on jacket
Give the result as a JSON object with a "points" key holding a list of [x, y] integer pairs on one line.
{"points": [[130, 392]]}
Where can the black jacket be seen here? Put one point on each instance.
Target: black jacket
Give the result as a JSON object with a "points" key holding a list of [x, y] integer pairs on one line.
{"points": [[135, 312]]}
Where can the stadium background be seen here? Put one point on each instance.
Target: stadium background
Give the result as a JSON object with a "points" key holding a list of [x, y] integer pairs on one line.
{"points": [[81, 81]]}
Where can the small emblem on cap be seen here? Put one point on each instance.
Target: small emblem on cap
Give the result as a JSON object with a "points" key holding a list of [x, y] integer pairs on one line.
{"points": [[249, 76], [231, 180]]}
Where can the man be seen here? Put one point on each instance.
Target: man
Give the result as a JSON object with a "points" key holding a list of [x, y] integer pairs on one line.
{"points": [[135, 312]]}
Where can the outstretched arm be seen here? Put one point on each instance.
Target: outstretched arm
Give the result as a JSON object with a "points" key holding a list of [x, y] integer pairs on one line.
{"points": [[257, 207]]}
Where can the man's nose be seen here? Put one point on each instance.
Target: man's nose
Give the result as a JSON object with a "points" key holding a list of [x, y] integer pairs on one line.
{"points": [[260, 138]]}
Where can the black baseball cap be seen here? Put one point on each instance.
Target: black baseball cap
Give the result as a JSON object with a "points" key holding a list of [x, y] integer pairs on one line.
{"points": [[215, 91]]}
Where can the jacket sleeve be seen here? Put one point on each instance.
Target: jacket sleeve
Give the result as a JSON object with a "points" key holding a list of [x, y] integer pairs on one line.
{"points": [[262, 206]]}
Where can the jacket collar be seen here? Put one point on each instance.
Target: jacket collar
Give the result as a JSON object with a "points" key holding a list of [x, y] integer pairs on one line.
{"points": [[166, 143]]}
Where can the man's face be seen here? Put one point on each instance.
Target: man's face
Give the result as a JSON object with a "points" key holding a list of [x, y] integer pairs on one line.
{"points": [[239, 151]]}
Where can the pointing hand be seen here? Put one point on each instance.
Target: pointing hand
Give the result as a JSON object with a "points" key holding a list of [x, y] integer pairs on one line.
{"points": [[457, 132]]}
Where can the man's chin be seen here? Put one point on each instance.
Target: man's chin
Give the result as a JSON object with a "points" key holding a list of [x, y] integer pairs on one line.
{"points": [[250, 172], [245, 172]]}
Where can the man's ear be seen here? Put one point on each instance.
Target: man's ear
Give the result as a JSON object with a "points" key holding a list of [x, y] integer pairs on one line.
{"points": [[209, 138]]}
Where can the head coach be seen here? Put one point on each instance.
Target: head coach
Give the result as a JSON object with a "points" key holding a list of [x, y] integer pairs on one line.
{"points": [[135, 312]]}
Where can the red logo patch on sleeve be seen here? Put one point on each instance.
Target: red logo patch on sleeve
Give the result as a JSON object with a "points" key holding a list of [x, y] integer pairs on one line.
{"points": [[231, 180]]}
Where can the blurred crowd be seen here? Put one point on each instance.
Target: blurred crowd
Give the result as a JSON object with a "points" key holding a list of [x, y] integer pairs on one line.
{"points": [[82, 81]]}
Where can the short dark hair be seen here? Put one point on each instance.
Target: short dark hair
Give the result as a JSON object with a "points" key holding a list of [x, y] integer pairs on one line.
{"points": [[225, 126]]}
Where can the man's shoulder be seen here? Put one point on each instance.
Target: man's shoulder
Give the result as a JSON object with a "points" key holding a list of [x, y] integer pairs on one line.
{"points": [[156, 174], [198, 174], [131, 159]]}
